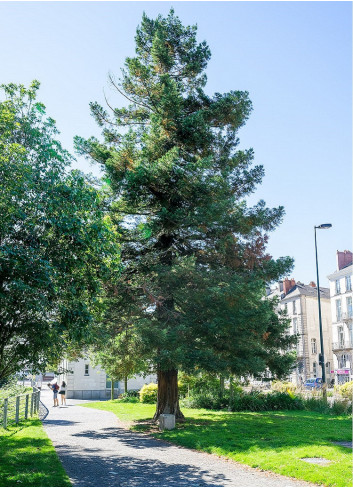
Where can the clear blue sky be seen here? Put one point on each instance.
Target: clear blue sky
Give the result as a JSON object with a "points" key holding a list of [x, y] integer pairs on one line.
{"points": [[294, 58]]}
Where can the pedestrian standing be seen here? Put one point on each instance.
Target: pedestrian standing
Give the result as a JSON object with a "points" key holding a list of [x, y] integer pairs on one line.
{"points": [[55, 388], [62, 392]]}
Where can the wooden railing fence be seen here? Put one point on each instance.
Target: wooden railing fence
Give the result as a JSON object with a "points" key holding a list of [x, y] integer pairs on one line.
{"points": [[16, 408]]}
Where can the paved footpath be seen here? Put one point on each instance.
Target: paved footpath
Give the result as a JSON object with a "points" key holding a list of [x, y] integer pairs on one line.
{"points": [[96, 451]]}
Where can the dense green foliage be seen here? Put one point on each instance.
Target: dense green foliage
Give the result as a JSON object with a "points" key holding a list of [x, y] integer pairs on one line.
{"points": [[115, 344], [28, 458], [259, 401], [270, 441], [55, 245], [148, 393], [193, 252], [131, 395], [12, 389]]}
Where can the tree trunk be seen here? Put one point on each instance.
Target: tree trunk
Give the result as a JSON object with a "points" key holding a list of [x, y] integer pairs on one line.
{"points": [[125, 384], [221, 385], [112, 390], [231, 393], [168, 396]]}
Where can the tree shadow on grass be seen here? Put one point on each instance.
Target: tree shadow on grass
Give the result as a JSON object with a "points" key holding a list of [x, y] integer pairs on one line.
{"points": [[30, 462], [246, 431]]}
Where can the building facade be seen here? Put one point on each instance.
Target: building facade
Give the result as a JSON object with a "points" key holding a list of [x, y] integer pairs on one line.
{"points": [[342, 315], [300, 304], [84, 381]]}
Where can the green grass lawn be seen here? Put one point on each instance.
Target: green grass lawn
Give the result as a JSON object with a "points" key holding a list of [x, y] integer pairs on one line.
{"points": [[274, 441], [28, 458]]}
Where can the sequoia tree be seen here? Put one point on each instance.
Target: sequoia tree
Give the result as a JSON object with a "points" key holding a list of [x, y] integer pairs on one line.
{"points": [[56, 245], [193, 253]]}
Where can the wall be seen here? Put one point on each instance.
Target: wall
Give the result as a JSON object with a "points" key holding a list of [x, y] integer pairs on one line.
{"points": [[314, 332], [93, 386]]}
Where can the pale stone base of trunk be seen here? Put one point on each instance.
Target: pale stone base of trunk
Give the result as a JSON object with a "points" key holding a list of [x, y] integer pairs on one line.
{"points": [[168, 396]]}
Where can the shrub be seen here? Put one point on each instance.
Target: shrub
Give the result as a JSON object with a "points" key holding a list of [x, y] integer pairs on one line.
{"points": [[341, 407], [346, 390], [131, 395], [148, 393], [253, 401], [316, 404], [128, 399], [206, 400], [279, 386], [257, 401]]}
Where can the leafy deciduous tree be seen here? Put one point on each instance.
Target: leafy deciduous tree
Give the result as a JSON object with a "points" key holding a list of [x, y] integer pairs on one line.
{"points": [[55, 243]]}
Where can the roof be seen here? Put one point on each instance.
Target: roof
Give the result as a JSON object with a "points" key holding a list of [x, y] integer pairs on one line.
{"points": [[301, 289], [342, 272]]}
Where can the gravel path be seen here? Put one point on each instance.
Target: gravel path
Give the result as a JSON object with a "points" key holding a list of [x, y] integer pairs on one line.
{"points": [[96, 451]]}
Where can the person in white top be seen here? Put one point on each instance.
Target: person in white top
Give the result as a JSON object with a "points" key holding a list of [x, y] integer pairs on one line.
{"points": [[62, 392]]}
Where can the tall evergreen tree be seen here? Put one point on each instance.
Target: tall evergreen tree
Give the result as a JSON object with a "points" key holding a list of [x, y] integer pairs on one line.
{"points": [[193, 253]]}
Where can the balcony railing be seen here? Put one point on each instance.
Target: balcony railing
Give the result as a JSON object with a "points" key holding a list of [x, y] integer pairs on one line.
{"points": [[342, 345], [346, 316]]}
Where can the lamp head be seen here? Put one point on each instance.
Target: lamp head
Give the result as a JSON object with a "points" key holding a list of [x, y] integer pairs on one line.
{"points": [[324, 226]]}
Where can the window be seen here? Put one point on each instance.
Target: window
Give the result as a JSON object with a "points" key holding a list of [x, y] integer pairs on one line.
{"points": [[86, 369], [338, 310], [314, 369], [350, 329], [313, 345], [108, 383], [348, 283], [328, 367], [294, 307], [343, 361], [349, 306], [340, 336], [295, 325], [338, 286]]}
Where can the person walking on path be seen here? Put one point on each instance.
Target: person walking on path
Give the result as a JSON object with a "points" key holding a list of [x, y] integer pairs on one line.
{"points": [[62, 393], [55, 388]]}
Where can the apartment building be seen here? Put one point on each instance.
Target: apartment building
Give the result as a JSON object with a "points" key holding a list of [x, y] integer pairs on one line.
{"points": [[342, 315], [300, 303]]}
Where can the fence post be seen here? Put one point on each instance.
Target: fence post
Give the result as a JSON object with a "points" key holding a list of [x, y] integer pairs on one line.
{"points": [[31, 404], [26, 407], [35, 402], [17, 415], [6, 401]]}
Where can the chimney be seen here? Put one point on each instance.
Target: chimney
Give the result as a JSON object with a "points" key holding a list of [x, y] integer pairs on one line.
{"points": [[344, 258], [287, 285], [312, 284]]}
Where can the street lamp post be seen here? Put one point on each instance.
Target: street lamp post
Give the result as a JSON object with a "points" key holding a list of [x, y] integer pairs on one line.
{"points": [[321, 356]]}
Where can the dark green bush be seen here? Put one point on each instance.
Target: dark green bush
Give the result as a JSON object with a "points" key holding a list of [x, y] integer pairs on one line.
{"points": [[207, 400], [337, 408], [131, 395], [316, 404], [128, 399], [252, 401], [257, 401]]}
